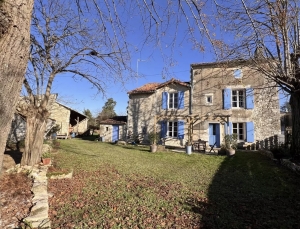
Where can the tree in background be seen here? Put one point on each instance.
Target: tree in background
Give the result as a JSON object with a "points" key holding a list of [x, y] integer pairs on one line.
{"points": [[108, 110], [286, 107], [92, 121]]}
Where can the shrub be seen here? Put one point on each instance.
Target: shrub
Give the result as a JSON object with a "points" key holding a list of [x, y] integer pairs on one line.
{"points": [[281, 152]]}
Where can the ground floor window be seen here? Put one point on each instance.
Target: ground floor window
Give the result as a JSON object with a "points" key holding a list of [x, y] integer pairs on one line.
{"points": [[173, 129], [239, 129]]}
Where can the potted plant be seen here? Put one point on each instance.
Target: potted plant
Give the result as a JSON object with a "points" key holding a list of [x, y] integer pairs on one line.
{"points": [[188, 144], [188, 147], [230, 143], [153, 138], [46, 158]]}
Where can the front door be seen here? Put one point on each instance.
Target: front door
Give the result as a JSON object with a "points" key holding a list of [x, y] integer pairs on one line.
{"points": [[214, 134], [115, 133]]}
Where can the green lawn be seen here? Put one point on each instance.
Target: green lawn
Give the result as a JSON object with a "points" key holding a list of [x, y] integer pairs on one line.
{"points": [[128, 187]]}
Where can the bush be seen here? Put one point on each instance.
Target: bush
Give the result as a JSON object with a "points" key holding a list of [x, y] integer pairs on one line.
{"points": [[281, 152]]}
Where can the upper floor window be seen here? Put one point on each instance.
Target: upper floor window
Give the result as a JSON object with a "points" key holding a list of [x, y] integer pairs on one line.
{"points": [[238, 98], [173, 100], [237, 73], [209, 99], [173, 129]]}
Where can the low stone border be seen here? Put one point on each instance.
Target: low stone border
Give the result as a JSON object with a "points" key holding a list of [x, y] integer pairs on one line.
{"points": [[291, 165], [285, 162], [38, 217], [63, 176]]}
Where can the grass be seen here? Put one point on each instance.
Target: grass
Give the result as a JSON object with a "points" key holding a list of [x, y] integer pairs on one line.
{"points": [[128, 187]]}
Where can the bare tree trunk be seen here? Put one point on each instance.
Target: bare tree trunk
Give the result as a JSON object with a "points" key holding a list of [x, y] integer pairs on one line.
{"points": [[15, 17], [35, 130], [295, 105]]}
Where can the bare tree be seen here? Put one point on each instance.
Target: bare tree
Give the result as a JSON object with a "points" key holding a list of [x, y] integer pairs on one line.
{"points": [[61, 42], [159, 22], [15, 16], [267, 33]]}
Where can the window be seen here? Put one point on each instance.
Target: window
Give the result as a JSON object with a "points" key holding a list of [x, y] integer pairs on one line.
{"points": [[209, 99], [239, 129], [173, 100], [106, 128], [173, 129], [237, 73], [238, 98]]}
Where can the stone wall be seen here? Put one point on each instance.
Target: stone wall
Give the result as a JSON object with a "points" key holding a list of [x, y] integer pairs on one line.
{"points": [[62, 116], [212, 79], [144, 109]]}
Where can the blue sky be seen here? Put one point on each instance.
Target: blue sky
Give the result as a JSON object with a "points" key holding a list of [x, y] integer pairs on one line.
{"points": [[80, 94]]}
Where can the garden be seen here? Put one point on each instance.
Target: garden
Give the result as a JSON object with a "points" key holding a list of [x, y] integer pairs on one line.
{"points": [[129, 187]]}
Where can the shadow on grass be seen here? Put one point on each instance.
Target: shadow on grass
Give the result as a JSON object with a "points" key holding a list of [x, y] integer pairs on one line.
{"points": [[250, 191], [89, 138], [135, 147]]}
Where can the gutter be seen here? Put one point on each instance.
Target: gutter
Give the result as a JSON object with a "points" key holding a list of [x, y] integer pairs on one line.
{"points": [[191, 91]]}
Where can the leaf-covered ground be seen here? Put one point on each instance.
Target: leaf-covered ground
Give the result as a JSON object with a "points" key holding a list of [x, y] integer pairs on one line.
{"points": [[107, 199], [15, 199], [128, 187]]}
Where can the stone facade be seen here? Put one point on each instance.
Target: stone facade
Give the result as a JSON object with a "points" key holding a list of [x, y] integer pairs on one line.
{"points": [[221, 98], [62, 116], [113, 129], [256, 107], [149, 110]]}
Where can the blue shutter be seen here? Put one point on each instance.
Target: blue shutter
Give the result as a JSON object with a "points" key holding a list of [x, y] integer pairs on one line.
{"points": [[225, 128], [181, 100], [227, 98], [250, 131], [226, 125], [180, 129], [163, 128], [230, 127], [249, 98], [165, 100]]}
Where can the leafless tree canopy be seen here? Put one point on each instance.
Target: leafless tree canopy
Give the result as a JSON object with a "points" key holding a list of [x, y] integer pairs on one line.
{"points": [[265, 29]]}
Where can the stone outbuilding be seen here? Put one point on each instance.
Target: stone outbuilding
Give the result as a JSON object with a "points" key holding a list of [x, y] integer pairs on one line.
{"points": [[113, 129], [68, 119]]}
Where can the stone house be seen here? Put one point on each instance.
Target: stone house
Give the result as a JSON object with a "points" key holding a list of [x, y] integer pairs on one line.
{"points": [[113, 129], [221, 98], [159, 107], [231, 97], [67, 118]]}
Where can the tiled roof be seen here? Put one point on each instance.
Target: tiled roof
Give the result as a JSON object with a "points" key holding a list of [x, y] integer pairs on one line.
{"points": [[230, 63], [151, 87], [117, 120], [147, 88], [112, 122]]}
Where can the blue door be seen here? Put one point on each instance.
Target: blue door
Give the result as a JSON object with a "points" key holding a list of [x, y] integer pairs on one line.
{"points": [[115, 133], [214, 134]]}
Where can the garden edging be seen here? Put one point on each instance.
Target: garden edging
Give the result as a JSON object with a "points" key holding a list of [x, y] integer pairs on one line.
{"points": [[285, 162]]}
